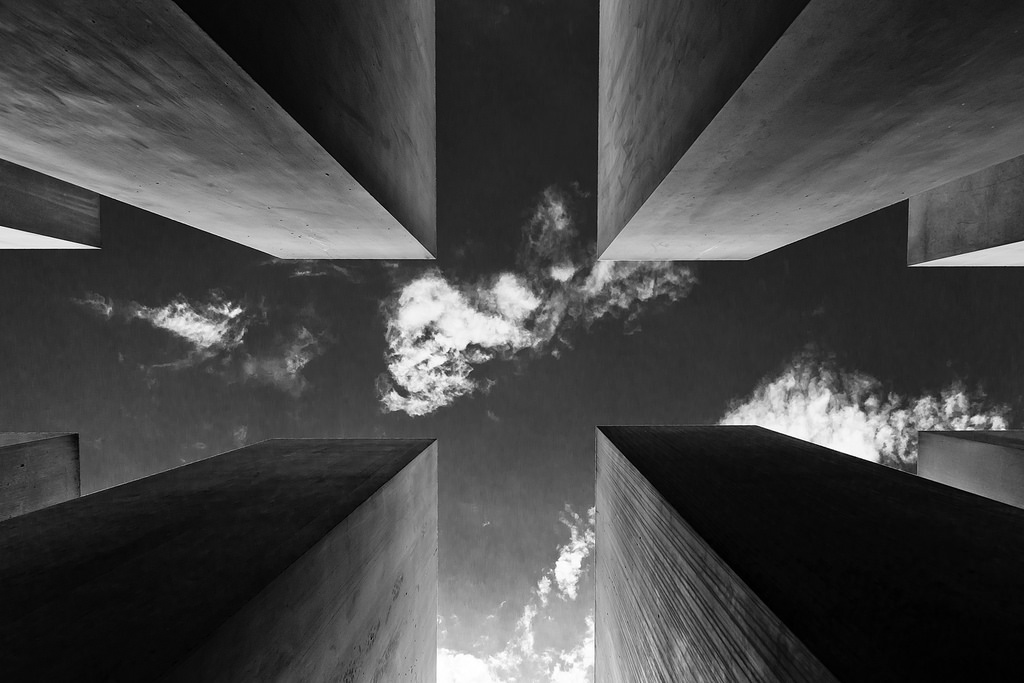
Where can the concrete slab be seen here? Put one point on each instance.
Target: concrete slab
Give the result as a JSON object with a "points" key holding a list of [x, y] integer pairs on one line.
{"points": [[40, 212], [989, 464], [159, 577], [977, 220], [736, 553], [134, 101], [856, 106], [37, 469]]}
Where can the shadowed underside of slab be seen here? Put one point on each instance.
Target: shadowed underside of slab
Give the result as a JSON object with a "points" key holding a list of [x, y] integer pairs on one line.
{"points": [[40, 212], [880, 575], [977, 220], [37, 469], [126, 582], [856, 107], [134, 101], [989, 464]]}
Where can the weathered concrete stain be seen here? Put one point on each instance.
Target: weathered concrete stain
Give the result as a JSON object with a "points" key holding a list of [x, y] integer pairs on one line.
{"points": [[132, 100], [48, 213]]}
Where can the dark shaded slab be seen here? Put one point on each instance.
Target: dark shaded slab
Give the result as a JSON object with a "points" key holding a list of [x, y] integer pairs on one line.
{"points": [[855, 107], [134, 101], [37, 469], [990, 464], [977, 220], [358, 76], [880, 575], [126, 582], [40, 212]]}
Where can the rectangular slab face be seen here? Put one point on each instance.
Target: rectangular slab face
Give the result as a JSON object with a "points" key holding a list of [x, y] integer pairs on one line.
{"points": [[990, 464], [40, 212], [126, 582], [37, 469], [134, 101], [856, 107], [383, 559], [977, 220], [358, 76], [879, 574]]}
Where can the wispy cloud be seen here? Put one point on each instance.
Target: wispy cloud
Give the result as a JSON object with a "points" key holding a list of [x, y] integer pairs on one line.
{"points": [[523, 658], [441, 330], [216, 331], [816, 401]]}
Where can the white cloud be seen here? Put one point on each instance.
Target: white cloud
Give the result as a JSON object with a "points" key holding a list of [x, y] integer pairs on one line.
{"points": [[848, 412], [522, 658], [283, 367], [439, 331]]}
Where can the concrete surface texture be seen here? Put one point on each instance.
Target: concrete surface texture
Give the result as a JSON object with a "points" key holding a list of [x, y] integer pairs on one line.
{"points": [[881, 575], [37, 469], [360, 605], [990, 464], [134, 101], [977, 220], [668, 608], [40, 212], [126, 582], [857, 106], [358, 76]]}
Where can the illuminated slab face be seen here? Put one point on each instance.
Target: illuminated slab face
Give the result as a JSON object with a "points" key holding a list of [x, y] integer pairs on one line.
{"points": [[853, 107], [37, 469], [40, 212], [735, 553], [137, 102], [990, 464], [977, 220], [287, 560]]}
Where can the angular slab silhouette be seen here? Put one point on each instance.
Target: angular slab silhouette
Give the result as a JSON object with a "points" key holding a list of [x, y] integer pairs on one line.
{"points": [[736, 553], [988, 463], [37, 469], [133, 100], [40, 212], [977, 220], [727, 133], [286, 560]]}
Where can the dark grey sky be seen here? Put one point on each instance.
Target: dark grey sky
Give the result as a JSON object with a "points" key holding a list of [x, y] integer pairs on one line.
{"points": [[517, 89]]}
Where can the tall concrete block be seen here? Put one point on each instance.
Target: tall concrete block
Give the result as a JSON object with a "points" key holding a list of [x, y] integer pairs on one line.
{"points": [[286, 560], [725, 134], [37, 469], [739, 554], [40, 212], [135, 101], [977, 220], [990, 464]]}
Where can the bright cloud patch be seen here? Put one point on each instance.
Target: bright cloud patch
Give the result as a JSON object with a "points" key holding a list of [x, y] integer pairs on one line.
{"points": [[216, 331], [848, 411], [523, 658], [439, 331]]}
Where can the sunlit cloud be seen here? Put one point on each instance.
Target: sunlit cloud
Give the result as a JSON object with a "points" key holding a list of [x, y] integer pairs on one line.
{"points": [[523, 658], [815, 401], [441, 330], [215, 331]]}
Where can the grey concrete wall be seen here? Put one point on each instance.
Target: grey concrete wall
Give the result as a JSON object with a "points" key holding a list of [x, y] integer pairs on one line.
{"points": [[669, 608], [990, 464], [37, 469], [666, 69], [46, 213], [360, 605], [881, 575], [857, 106], [126, 582], [977, 220], [358, 76], [132, 100]]}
